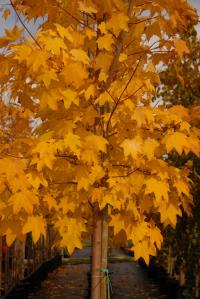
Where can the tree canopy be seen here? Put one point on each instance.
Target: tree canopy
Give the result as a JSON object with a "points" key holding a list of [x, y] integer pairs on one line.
{"points": [[77, 125]]}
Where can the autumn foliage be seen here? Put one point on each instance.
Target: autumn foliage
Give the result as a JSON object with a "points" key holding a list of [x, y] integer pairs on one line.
{"points": [[77, 124]]}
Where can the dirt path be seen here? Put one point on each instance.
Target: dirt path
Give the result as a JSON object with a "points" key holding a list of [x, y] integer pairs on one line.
{"points": [[71, 281]]}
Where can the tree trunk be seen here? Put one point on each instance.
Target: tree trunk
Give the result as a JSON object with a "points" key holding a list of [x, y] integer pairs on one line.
{"points": [[104, 251], [96, 256], [0, 265]]}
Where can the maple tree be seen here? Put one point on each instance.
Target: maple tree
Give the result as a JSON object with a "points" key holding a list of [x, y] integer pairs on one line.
{"points": [[80, 133]]}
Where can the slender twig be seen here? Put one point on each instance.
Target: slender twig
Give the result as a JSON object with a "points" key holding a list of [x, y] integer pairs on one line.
{"points": [[144, 20], [73, 17], [64, 183], [131, 172], [25, 27], [118, 101], [131, 94]]}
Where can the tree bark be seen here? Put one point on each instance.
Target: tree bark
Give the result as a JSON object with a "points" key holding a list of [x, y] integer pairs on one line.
{"points": [[104, 251], [96, 256]]}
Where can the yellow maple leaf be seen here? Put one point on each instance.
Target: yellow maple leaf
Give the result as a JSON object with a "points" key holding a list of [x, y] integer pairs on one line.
{"points": [[102, 28], [117, 221], [36, 179], [159, 188], [149, 147], [103, 99], [52, 44], [70, 96], [47, 77], [67, 204], [169, 212], [132, 147], [70, 230], [182, 187], [177, 141], [6, 14], [51, 202], [139, 29], [36, 225], [143, 249], [96, 143], [80, 55], [74, 73], [65, 32], [73, 142], [90, 92], [10, 236], [122, 57], [23, 200], [87, 7], [105, 42], [118, 22], [90, 33], [181, 47]]}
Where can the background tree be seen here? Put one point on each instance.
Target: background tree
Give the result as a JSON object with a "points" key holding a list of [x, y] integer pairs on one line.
{"points": [[85, 82], [180, 85]]}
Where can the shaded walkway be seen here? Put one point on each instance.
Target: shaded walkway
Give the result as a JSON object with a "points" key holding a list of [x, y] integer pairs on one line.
{"points": [[70, 281]]}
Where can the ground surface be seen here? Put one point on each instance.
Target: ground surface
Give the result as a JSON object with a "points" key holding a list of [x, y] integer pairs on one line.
{"points": [[71, 281]]}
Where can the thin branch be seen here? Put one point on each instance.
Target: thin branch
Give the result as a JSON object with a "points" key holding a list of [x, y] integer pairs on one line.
{"points": [[131, 172], [118, 101], [144, 20], [119, 46], [73, 17], [121, 165], [63, 183], [132, 94], [129, 81], [25, 27], [17, 157], [106, 90]]}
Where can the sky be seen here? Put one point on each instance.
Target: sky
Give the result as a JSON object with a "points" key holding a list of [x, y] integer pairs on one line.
{"points": [[196, 4]]}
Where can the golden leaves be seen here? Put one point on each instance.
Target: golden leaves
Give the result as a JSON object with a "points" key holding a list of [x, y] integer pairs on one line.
{"points": [[11, 36], [6, 14], [117, 23], [70, 230], [181, 47], [80, 55], [159, 188], [72, 142], [65, 32], [105, 42], [47, 77], [51, 43], [87, 7], [137, 146], [70, 96], [149, 148], [132, 147], [169, 212], [96, 143], [36, 225], [23, 200], [177, 141], [74, 73], [146, 237], [72, 82]]}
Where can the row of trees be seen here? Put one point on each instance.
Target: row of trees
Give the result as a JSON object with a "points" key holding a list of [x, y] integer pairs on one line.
{"points": [[82, 146]]}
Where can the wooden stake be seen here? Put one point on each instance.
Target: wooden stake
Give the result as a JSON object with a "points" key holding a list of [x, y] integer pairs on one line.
{"points": [[0, 265], [104, 252], [96, 255]]}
